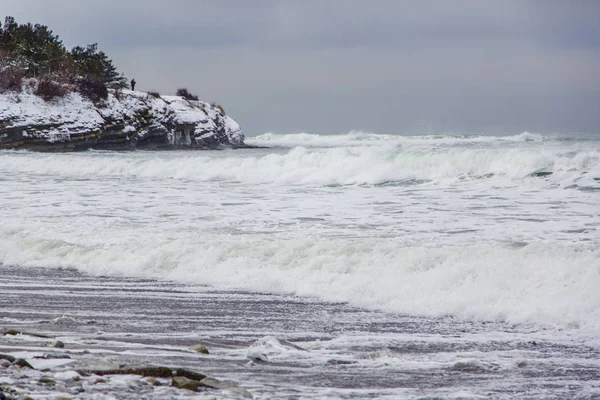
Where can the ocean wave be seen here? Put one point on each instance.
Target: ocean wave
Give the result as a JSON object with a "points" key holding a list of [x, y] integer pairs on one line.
{"points": [[538, 283], [362, 165], [358, 138]]}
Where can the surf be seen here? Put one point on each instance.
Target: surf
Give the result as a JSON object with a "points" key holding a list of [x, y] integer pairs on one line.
{"points": [[345, 165]]}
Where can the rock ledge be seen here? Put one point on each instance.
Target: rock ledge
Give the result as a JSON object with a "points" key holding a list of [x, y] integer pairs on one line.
{"points": [[126, 120]]}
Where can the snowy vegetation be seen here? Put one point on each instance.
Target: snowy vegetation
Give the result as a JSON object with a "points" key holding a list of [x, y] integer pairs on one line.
{"points": [[34, 51]]}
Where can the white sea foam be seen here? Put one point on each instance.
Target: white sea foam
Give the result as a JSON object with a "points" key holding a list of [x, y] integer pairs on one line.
{"points": [[337, 165], [429, 225], [356, 138], [538, 283], [270, 348]]}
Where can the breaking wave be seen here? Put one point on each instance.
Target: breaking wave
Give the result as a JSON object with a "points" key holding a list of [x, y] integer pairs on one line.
{"points": [[366, 165], [165, 221], [537, 283], [357, 138]]}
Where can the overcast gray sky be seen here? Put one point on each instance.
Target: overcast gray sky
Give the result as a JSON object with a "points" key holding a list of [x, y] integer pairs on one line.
{"points": [[331, 66]]}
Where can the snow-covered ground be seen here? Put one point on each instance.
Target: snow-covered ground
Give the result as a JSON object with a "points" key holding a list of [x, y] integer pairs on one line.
{"points": [[134, 112]]}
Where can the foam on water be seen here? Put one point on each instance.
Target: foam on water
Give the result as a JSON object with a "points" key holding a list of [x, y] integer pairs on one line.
{"points": [[476, 227], [538, 283], [356, 138], [338, 165]]}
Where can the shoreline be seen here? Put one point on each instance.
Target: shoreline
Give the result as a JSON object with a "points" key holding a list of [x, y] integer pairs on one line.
{"points": [[58, 150], [265, 346]]}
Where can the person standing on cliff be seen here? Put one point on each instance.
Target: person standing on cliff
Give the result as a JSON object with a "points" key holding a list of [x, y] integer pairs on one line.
{"points": [[133, 84]]}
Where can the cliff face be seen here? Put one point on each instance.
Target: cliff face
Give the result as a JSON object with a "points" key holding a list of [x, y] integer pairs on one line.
{"points": [[127, 120]]}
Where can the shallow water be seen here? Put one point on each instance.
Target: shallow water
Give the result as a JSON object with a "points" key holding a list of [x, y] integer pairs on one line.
{"points": [[491, 239], [342, 351]]}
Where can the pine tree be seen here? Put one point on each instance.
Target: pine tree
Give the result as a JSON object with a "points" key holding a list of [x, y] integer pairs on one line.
{"points": [[34, 45], [92, 63], [36, 49]]}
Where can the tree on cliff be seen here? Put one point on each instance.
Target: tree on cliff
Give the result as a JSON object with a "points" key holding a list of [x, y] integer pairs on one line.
{"points": [[33, 45], [92, 63], [43, 53]]}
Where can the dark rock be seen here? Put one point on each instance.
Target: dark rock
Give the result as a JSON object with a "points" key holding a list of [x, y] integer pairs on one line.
{"points": [[46, 380], [57, 343], [7, 357], [160, 372], [540, 174], [216, 384], [22, 363], [339, 362], [182, 382], [14, 332], [189, 374], [199, 348], [48, 356]]}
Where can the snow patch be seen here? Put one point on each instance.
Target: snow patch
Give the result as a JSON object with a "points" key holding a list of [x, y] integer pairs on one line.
{"points": [[62, 118]]}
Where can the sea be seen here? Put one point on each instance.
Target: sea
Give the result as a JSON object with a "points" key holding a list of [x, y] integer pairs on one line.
{"points": [[344, 266]]}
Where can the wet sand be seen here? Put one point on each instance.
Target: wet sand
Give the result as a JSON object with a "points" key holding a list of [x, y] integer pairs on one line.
{"points": [[309, 349]]}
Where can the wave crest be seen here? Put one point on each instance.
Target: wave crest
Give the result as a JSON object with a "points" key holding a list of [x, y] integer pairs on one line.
{"points": [[358, 138], [328, 166], [537, 283]]}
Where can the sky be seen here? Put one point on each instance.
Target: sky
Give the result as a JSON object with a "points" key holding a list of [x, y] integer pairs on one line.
{"points": [[332, 66]]}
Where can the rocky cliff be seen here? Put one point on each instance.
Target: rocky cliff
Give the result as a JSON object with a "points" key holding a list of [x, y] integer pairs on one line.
{"points": [[126, 120]]}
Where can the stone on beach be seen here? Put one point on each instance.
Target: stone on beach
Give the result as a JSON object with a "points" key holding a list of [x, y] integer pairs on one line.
{"points": [[22, 363], [189, 374], [182, 382], [46, 380], [7, 357], [57, 343], [15, 332], [159, 372], [199, 348], [53, 356], [216, 384]]}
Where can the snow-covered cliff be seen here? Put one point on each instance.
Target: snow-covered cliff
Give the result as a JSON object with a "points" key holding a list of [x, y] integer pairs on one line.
{"points": [[125, 120]]}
